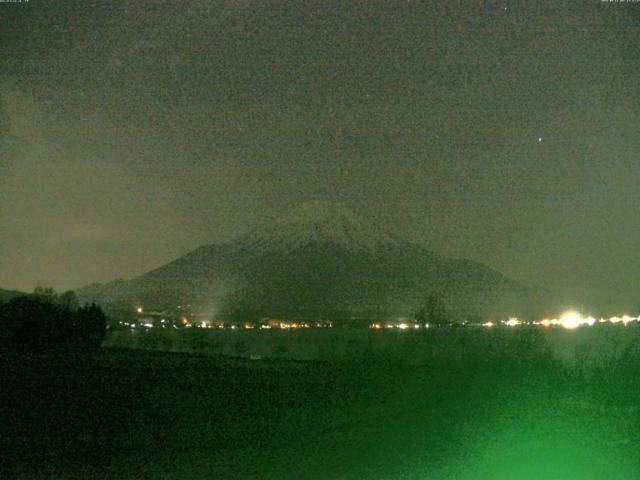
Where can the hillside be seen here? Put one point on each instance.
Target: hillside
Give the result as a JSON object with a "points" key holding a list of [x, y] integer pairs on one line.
{"points": [[6, 295], [320, 259]]}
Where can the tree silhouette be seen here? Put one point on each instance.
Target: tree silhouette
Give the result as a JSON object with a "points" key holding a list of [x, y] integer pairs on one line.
{"points": [[68, 300], [91, 327], [43, 323], [34, 324], [433, 311], [45, 294]]}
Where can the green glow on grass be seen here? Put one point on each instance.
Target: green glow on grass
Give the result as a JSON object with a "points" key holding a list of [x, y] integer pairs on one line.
{"points": [[563, 442]]}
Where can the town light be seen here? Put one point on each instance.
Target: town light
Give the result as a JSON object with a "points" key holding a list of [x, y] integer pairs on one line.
{"points": [[571, 320]]}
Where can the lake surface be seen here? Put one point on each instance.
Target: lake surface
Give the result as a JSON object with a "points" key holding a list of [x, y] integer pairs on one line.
{"points": [[597, 346]]}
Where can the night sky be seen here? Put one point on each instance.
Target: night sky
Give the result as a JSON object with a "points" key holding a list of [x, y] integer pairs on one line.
{"points": [[504, 132]]}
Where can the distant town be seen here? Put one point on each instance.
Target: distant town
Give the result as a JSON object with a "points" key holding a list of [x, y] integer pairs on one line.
{"points": [[156, 319]]}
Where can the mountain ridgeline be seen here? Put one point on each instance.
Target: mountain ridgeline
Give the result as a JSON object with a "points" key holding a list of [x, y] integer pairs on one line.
{"points": [[320, 260], [6, 295]]}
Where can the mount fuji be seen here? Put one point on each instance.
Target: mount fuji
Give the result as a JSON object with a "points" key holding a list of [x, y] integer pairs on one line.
{"points": [[320, 259]]}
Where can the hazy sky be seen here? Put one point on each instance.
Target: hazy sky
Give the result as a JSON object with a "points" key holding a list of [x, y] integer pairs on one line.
{"points": [[505, 132]]}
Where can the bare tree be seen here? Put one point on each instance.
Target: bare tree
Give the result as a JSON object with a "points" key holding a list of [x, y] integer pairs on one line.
{"points": [[433, 311]]}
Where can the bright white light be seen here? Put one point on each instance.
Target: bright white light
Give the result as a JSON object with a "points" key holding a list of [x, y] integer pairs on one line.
{"points": [[488, 324], [571, 320], [403, 326], [139, 309], [512, 322]]}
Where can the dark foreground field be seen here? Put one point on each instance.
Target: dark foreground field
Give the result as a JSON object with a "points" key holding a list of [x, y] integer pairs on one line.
{"points": [[124, 414]]}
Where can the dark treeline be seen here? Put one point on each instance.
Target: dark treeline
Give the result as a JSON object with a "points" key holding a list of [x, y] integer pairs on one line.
{"points": [[47, 322]]}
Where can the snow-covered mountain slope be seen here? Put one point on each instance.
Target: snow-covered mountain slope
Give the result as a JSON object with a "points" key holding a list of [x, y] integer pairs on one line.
{"points": [[319, 257], [318, 222]]}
